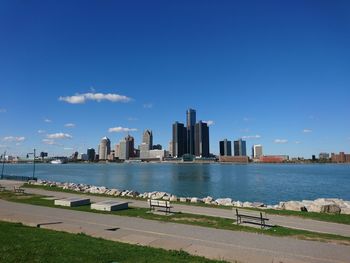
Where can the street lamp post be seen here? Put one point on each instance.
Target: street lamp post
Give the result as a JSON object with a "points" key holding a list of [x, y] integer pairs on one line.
{"points": [[3, 165], [33, 161]]}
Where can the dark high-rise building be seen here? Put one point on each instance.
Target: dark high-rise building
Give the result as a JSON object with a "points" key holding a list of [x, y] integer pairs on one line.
{"points": [[225, 148], [240, 148], [201, 139], [179, 139], [147, 138], [91, 154], [190, 123]]}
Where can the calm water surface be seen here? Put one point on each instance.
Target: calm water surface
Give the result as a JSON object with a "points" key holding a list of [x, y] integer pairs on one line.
{"points": [[268, 183]]}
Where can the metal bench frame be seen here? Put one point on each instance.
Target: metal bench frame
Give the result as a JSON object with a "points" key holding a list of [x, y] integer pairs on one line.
{"points": [[159, 203], [251, 218], [18, 190]]}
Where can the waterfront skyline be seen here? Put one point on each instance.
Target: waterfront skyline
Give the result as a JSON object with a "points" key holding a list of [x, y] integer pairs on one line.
{"points": [[275, 74]]}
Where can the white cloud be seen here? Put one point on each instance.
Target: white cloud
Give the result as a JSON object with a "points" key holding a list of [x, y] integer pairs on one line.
{"points": [[47, 120], [41, 131], [49, 141], [14, 139], [209, 122], [280, 141], [307, 130], [121, 129], [148, 106], [247, 137], [82, 98], [2, 110], [297, 142], [59, 135], [69, 125], [68, 148]]}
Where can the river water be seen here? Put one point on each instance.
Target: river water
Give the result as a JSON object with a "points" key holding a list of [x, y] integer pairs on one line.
{"points": [[268, 183]]}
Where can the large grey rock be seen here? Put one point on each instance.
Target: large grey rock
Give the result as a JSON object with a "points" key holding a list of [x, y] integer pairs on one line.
{"points": [[224, 201], [183, 199], [247, 204], [330, 208], [173, 198], [207, 199], [293, 206], [258, 204], [238, 204], [194, 200]]}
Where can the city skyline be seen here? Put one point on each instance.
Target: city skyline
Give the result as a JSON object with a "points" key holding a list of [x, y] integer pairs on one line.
{"points": [[275, 75]]}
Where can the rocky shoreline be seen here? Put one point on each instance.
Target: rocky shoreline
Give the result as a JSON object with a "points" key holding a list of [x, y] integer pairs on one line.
{"points": [[320, 205]]}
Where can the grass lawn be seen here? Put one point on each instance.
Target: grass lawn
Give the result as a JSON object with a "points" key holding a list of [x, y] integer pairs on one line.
{"points": [[29, 244], [335, 218], [184, 218]]}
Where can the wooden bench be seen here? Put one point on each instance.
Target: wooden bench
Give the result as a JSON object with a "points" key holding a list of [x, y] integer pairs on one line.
{"points": [[159, 203], [252, 217], [18, 190], [2, 188]]}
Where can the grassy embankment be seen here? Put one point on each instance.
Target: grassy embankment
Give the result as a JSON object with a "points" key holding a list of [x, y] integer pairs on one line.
{"points": [[29, 244], [335, 218], [184, 218]]}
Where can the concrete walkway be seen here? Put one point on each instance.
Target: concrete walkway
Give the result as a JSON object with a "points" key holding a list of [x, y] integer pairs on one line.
{"points": [[208, 242], [286, 221]]}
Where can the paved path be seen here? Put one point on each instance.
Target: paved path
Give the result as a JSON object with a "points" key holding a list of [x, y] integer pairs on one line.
{"points": [[286, 221], [208, 242]]}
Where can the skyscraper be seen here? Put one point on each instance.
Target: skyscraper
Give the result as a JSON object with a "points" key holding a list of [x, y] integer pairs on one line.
{"points": [[126, 148], [257, 151], [147, 138], [179, 140], [240, 148], [201, 139], [91, 154], [190, 123], [104, 149], [225, 148]]}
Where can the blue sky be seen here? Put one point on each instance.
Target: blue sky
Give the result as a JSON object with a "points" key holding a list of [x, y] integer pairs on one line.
{"points": [[274, 72]]}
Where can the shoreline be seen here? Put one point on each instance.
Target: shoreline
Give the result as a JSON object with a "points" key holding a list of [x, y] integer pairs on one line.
{"points": [[319, 205]]}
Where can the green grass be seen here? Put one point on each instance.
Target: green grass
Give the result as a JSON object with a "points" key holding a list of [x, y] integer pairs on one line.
{"points": [[184, 218], [28, 244], [335, 218]]}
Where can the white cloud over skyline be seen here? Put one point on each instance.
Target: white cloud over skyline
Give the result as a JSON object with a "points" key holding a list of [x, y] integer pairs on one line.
{"points": [[209, 122], [280, 141], [121, 129], [148, 105], [307, 130], [59, 135], [82, 98], [14, 138], [69, 125], [248, 137]]}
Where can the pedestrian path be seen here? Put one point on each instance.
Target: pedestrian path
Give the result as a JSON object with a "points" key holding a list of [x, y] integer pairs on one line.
{"points": [[286, 221], [212, 243]]}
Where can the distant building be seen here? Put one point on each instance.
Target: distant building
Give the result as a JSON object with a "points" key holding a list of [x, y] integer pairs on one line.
{"points": [[126, 148], [179, 140], [144, 150], [83, 157], [225, 148], [104, 148], [170, 148], [190, 125], [201, 139], [257, 151], [43, 155], [116, 151], [234, 159], [340, 158], [323, 156], [157, 154], [274, 158], [147, 138], [240, 148], [91, 154]]}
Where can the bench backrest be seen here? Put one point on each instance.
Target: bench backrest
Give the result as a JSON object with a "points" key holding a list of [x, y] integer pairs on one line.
{"points": [[249, 212], [159, 203]]}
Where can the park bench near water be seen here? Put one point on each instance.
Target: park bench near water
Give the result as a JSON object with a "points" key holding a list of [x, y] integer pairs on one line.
{"points": [[251, 216], [159, 203], [17, 189]]}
